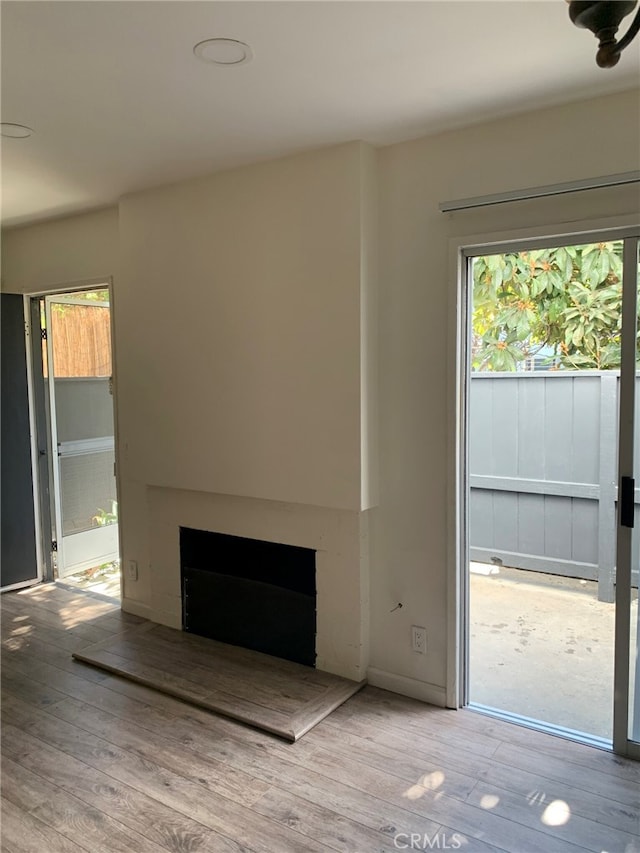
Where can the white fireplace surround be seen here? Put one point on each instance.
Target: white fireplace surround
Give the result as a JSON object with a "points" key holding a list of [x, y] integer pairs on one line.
{"points": [[338, 537]]}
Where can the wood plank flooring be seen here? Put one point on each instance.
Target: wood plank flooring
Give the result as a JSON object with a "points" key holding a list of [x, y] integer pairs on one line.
{"points": [[278, 696], [92, 762]]}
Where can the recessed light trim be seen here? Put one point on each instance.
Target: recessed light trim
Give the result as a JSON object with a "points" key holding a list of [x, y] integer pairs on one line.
{"points": [[223, 51], [15, 131]]}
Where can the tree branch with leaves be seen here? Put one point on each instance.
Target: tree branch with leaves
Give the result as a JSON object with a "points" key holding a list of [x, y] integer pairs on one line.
{"points": [[563, 302]]}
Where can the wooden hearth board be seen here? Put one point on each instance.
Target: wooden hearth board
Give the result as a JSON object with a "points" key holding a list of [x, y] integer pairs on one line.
{"points": [[281, 697]]}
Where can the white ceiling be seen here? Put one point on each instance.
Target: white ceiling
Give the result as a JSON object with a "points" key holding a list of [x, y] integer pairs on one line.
{"points": [[118, 102]]}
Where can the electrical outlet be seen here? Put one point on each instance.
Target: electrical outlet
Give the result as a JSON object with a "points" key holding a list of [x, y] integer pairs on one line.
{"points": [[132, 573], [419, 639]]}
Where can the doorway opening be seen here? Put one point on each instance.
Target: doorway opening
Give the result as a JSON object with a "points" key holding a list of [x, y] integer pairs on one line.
{"points": [[73, 397], [543, 368]]}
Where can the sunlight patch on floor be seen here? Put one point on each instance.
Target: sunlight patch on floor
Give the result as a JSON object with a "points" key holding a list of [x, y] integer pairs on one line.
{"points": [[556, 813], [428, 782], [489, 801]]}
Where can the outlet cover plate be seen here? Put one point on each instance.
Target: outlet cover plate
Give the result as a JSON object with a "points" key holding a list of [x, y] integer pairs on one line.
{"points": [[419, 639]]}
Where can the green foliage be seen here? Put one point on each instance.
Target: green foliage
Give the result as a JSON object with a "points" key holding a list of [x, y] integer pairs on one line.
{"points": [[565, 301], [104, 517], [95, 296], [88, 296]]}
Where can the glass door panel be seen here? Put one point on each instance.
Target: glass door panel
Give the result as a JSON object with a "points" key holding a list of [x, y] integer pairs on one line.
{"points": [[79, 366], [552, 508], [542, 463]]}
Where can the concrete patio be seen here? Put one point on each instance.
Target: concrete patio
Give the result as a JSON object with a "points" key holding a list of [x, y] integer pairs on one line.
{"points": [[104, 580], [542, 647]]}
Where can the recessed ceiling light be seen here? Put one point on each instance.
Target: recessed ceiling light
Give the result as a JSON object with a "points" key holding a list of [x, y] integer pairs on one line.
{"points": [[14, 131], [223, 51]]}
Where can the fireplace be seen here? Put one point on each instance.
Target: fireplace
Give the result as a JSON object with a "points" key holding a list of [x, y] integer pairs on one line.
{"points": [[251, 593], [334, 540]]}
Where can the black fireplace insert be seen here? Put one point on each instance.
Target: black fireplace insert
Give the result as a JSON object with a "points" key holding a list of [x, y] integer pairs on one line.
{"points": [[250, 593]]}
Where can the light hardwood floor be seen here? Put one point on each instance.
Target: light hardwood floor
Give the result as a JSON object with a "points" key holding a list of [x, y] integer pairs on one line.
{"points": [[278, 696], [91, 762]]}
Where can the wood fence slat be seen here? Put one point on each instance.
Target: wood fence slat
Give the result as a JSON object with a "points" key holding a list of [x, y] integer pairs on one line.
{"points": [[542, 462], [81, 340]]}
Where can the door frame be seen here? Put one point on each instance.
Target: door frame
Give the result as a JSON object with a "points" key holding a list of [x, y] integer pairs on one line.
{"points": [[461, 249], [39, 429], [99, 535], [622, 742]]}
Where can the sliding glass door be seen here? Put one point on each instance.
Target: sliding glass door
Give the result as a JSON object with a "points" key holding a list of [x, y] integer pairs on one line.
{"points": [[551, 515]]}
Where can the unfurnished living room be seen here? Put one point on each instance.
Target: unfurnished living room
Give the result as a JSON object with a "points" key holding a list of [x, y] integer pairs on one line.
{"points": [[319, 355]]}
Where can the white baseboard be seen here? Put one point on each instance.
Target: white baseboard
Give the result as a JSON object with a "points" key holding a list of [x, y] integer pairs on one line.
{"points": [[161, 617], [137, 608], [430, 693]]}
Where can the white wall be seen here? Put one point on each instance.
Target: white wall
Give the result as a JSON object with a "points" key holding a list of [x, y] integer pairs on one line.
{"points": [[239, 305], [61, 252], [369, 368], [411, 542]]}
